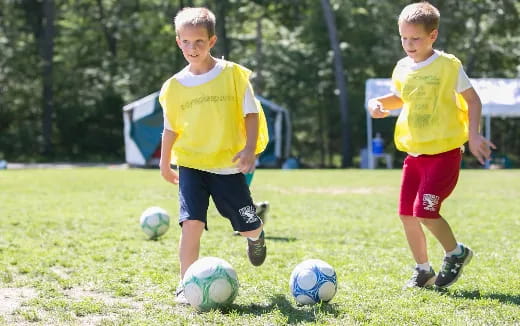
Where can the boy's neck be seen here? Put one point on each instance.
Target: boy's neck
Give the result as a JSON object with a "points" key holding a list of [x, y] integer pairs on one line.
{"points": [[203, 67], [426, 58]]}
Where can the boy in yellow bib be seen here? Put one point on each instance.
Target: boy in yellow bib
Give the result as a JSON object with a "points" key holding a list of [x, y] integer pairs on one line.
{"points": [[440, 109], [214, 128]]}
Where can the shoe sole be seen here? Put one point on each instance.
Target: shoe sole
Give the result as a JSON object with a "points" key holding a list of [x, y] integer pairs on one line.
{"points": [[181, 301], [466, 261], [428, 283]]}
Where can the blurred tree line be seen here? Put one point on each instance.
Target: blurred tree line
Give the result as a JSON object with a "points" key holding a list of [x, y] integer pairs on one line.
{"points": [[67, 67]]}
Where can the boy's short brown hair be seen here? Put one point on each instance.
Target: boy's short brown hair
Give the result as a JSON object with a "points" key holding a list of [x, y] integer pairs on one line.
{"points": [[422, 13], [195, 17]]}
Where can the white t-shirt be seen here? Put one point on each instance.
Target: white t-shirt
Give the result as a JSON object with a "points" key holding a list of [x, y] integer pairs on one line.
{"points": [[186, 78], [463, 82]]}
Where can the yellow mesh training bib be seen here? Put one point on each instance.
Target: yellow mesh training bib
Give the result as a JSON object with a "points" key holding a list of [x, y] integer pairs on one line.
{"points": [[434, 118], [209, 119]]}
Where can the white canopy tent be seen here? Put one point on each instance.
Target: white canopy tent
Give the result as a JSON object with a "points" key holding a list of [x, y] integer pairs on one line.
{"points": [[500, 98]]}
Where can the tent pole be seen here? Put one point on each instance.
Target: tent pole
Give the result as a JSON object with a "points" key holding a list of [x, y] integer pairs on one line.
{"points": [[369, 141], [488, 135]]}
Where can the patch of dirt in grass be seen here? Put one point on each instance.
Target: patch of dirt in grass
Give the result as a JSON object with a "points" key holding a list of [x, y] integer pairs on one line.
{"points": [[81, 294], [117, 306], [12, 299], [61, 272]]}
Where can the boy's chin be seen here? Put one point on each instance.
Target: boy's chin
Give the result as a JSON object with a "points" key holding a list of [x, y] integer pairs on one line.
{"points": [[196, 59]]}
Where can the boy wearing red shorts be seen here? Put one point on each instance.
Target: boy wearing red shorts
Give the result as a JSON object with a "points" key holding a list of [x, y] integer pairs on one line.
{"points": [[440, 112]]}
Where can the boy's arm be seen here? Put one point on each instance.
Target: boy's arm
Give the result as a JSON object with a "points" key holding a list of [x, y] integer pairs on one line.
{"points": [[479, 146], [168, 139], [379, 107], [246, 157]]}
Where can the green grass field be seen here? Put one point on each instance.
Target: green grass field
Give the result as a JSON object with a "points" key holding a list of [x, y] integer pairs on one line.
{"points": [[72, 252]]}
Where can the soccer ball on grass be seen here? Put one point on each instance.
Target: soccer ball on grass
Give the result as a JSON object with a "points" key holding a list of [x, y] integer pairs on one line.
{"points": [[313, 281], [154, 222], [210, 283]]}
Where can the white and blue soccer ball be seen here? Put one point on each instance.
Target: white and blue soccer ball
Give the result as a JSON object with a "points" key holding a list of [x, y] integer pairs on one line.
{"points": [[154, 222], [313, 281], [210, 283]]}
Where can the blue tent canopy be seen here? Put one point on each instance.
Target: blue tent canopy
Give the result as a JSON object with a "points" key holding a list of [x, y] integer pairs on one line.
{"points": [[146, 132]]}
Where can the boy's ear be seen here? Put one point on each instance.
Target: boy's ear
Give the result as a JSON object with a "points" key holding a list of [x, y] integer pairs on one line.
{"points": [[434, 34], [178, 40], [212, 41]]}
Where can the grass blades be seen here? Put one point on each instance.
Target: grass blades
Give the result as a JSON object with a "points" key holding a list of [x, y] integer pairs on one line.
{"points": [[72, 251]]}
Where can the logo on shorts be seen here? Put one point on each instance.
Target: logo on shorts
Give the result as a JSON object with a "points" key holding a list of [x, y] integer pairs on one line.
{"points": [[430, 202], [248, 213]]}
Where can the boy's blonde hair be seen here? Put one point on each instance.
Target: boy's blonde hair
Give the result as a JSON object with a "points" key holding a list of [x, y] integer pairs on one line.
{"points": [[422, 13], [195, 17]]}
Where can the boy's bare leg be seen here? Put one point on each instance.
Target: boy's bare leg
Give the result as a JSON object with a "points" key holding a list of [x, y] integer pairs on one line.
{"points": [[442, 231], [189, 243], [416, 238], [252, 234]]}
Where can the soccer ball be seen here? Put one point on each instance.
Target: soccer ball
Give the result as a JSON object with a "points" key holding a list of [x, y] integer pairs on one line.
{"points": [[210, 283], [154, 222], [313, 281]]}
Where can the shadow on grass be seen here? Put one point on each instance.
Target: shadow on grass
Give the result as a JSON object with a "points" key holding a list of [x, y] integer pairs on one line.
{"points": [[476, 295], [281, 239], [295, 314]]}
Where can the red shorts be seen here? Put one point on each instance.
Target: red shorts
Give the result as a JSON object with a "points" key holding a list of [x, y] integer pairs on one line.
{"points": [[427, 181]]}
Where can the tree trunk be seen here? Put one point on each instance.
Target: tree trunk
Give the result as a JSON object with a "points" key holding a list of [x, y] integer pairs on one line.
{"points": [[47, 53], [109, 34], [222, 47], [473, 53], [259, 80], [340, 82]]}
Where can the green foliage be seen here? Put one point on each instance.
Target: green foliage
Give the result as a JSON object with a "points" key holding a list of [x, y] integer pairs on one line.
{"points": [[74, 252], [108, 53]]}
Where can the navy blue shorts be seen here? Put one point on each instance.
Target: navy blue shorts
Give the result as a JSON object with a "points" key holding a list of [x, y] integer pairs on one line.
{"points": [[229, 192]]}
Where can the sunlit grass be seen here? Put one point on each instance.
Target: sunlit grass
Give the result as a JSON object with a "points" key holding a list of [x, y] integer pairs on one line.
{"points": [[71, 251]]}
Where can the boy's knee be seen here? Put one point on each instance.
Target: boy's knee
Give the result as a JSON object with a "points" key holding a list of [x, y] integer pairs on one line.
{"points": [[428, 220], [407, 218], [192, 225]]}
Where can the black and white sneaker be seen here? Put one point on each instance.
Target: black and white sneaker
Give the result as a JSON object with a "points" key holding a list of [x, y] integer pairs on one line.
{"points": [[256, 250], [421, 279], [262, 208], [180, 298], [452, 268]]}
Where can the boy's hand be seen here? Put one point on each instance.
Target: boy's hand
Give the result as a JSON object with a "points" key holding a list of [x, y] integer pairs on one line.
{"points": [[169, 174], [246, 160], [376, 109], [480, 147]]}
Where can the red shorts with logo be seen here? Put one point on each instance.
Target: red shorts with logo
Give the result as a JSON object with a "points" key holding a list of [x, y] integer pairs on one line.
{"points": [[427, 181]]}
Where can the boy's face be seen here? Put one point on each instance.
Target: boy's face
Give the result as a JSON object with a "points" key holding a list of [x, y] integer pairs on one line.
{"points": [[195, 43], [416, 42]]}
